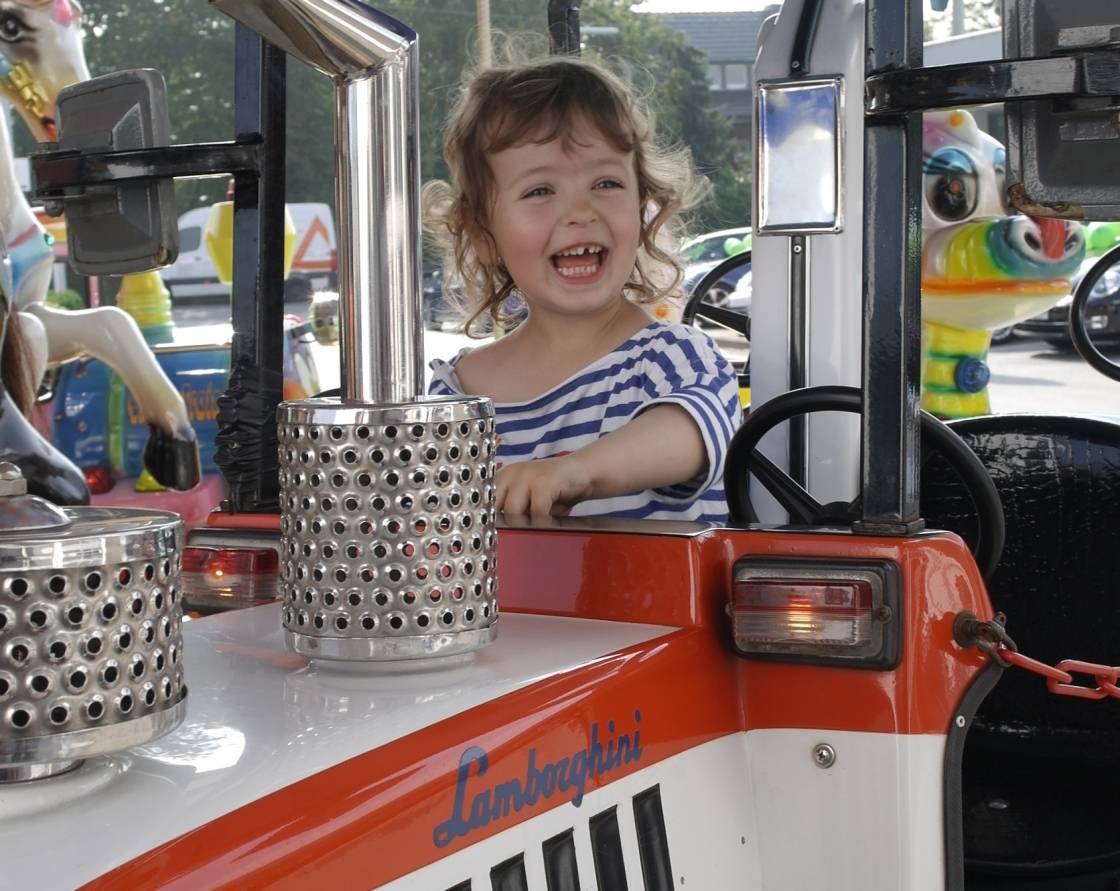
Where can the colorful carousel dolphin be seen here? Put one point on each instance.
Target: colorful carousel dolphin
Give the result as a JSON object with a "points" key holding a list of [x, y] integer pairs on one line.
{"points": [[982, 268]]}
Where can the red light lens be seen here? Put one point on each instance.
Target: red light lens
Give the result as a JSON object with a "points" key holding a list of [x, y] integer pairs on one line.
{"points": [[228, 578], [99, 480], [817, 612], [231, 561]]}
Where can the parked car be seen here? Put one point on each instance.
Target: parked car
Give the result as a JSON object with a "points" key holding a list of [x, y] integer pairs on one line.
{"points": [[1102, 312], [704, 253], [440, 315], [1003, 335], [714, 245]]}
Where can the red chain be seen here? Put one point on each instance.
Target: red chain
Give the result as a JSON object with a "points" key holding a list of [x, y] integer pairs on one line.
{"points": [[991, 637], [1059, 678]]}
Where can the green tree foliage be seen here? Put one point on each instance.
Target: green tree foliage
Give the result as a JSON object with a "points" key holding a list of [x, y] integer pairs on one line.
{"points": [[192, 45]]}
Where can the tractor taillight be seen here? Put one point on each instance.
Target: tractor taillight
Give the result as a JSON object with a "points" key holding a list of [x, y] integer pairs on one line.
{"points": [[99, 479], [229, 578], [810, 610]]}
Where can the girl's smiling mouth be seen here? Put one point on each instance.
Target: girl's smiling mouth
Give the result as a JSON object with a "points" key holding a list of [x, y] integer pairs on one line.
{"points": [[580, 262]]}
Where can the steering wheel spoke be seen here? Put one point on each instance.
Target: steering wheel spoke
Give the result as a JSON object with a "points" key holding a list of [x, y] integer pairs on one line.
{"points": [[791, 495], [728, 318]]}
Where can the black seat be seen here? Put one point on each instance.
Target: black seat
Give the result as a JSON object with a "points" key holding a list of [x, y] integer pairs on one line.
{"points": [[1042, 772]]}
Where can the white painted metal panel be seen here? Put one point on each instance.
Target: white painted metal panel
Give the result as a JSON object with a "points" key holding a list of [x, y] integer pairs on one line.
{"points": [[259, 719]]}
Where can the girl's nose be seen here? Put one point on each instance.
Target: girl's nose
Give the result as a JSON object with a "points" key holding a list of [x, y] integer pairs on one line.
{"points": [[581, 213]]}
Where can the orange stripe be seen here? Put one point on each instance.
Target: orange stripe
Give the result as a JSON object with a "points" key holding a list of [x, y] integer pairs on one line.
{"points": [[371, 820]]}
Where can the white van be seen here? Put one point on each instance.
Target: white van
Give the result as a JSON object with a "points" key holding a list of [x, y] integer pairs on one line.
{"points": [[193, 274]]}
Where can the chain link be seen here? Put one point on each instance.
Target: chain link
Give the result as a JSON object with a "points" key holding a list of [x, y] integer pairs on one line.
{"points": [[992, 639]]}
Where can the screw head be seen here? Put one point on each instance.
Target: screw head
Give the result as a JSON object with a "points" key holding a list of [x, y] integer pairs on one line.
{"points": [[824, 756]]}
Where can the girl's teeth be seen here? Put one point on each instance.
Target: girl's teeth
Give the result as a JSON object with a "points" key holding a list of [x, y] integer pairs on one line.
{"points": [[577, 270]]}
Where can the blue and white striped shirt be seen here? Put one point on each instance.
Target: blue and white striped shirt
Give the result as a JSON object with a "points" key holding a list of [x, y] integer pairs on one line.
{"points": [[670, 364]]}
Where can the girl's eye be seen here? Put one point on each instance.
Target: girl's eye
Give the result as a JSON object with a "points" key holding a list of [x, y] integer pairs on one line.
{"points": [[539, 190], [608, 184]]}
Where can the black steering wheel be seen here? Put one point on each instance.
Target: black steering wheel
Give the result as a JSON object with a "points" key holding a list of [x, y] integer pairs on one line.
{"points": [[695, 308], [1077, 333], [743, 459]]}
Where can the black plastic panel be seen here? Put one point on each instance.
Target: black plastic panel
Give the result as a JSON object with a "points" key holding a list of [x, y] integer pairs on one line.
{"points": [[1042, 772], [510, 875], [653, 841], [606, 849], [462, 886], [560, 870]]}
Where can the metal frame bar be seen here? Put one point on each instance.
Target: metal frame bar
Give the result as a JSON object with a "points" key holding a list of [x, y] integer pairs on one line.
{"points": [[563, 27], [257, 299], [798, 428], [69, 173], [1091, 73], [889, 457]]}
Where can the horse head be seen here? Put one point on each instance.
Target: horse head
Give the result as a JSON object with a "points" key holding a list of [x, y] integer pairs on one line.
{"points": [[983, 266], [40, 53]]}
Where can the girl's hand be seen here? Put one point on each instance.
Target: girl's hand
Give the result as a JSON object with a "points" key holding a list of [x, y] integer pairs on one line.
{"points": [[543, 488]]}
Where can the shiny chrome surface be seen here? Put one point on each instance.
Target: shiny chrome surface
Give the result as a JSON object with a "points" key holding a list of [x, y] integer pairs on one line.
{"points": [[90, 637], [81, 744], [20, 512], [103, 536], [25, 773], [387, 536], [373, 60], [799, 129], [391, 649]]}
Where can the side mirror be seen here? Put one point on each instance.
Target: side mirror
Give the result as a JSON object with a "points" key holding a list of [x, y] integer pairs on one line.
{"points": [[799, 129], [131, 226], [1062, 152]]}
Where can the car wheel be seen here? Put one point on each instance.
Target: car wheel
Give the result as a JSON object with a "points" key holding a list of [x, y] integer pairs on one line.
{"points": [[1003, 335], [718, 294]]}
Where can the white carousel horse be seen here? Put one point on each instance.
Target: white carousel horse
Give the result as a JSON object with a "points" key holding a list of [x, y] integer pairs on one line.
{"points": [[40, 53]]}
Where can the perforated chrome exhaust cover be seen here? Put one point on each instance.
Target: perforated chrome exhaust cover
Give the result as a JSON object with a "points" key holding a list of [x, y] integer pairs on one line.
{"points": [[90, 638], [387, 528]]}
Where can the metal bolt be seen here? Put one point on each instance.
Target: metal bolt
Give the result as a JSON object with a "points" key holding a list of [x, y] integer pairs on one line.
{"points": [[11, 479], [824, 755], [961, 721], [795, 65], [883, 614], [797, 249]]}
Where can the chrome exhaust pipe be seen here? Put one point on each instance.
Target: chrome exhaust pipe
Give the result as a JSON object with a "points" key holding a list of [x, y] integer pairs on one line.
{"points": [[387, 497], [373, 60]]}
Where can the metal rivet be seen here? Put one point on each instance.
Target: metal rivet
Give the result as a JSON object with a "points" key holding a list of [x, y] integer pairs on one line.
{"points": [[961, 721], [824, 755], [797, 249]]}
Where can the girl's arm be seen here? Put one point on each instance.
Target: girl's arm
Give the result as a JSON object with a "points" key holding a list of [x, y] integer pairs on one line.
{"points": [[660, 447]]}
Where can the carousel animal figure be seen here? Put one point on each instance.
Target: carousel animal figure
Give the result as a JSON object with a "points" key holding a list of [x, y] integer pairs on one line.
{"points": [[48, 472], [40, 53], [982, 268]]}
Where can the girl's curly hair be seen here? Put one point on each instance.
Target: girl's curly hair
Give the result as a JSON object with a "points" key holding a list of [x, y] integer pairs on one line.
{"points": [[508, 105]]}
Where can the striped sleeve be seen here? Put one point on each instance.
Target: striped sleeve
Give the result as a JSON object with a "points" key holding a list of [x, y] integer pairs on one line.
{"points": [[684, 367], [444, 380]]}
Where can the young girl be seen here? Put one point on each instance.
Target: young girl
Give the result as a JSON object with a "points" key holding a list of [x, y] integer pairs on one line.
{"points": [[560, 197]]}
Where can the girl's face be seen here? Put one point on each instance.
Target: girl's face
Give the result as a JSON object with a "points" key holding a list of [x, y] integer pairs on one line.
{"points": [[566, 221]]}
